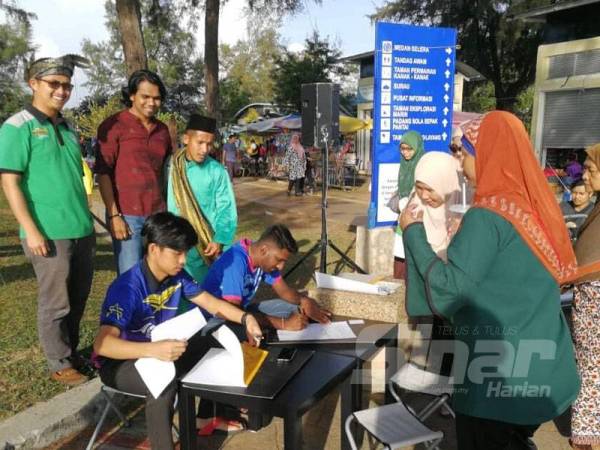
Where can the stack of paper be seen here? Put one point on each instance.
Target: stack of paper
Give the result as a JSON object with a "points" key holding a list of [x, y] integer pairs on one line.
{"points": [[233, 365], [354, 282]]}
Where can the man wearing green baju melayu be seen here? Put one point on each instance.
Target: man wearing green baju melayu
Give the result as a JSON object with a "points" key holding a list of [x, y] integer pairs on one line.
{"points": [[200, 190]]}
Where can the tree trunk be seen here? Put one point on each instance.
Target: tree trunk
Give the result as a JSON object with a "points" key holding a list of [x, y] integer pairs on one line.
{"points": [[132, 39], [505, 98], [211, 57]]}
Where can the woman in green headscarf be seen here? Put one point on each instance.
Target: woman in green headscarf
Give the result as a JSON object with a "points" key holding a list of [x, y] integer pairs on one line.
{"points": [[411, 151]]}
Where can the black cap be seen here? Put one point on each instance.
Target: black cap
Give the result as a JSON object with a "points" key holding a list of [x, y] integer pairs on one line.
{"points": [[202, 123]]}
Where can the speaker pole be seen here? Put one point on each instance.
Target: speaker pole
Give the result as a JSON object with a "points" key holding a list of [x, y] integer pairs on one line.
{"points": [[324, 242], [324, 185]]}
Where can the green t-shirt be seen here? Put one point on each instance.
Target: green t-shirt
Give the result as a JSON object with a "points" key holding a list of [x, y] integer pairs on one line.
{"points": [[513, 355], [50, 164]]}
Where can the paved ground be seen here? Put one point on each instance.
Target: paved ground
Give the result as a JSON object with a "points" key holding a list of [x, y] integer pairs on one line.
{"points": [[321, 424]]}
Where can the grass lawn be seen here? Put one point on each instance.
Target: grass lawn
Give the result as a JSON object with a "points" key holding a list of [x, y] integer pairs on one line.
{"points": [[23, 374]]}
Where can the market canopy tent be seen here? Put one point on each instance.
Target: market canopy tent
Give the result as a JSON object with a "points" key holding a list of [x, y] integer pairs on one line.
{"points": [[294, 122]]}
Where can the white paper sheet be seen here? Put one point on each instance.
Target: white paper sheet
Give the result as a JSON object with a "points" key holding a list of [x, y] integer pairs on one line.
{"points": [[217, 368], [318, 332], [181, 327], [158, 374], [356, 322], [220, 366], [341, 283]]}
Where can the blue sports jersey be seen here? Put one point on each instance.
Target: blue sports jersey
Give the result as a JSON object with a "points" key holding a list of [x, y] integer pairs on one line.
{"points": [[233, 277], [136, 302]]}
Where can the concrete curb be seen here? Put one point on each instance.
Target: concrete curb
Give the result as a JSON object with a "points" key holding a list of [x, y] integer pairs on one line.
{"points": [[47, 422]]}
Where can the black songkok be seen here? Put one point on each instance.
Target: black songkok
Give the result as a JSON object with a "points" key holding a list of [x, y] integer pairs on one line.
{"points": [[202, 123], [63, 65]]}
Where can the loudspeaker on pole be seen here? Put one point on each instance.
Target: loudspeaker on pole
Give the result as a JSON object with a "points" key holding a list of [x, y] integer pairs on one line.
{"points": [[320, 107]]}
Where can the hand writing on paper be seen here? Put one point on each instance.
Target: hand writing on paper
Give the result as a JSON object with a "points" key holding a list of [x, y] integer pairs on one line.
{"points": [[312, 310], [295, 322], [168, 350]]}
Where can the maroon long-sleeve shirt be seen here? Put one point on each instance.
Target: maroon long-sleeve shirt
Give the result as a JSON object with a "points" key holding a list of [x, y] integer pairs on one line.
{"points": [[134, 159]]}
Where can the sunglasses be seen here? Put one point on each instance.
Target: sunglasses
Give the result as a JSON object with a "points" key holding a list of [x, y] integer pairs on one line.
{"points": [[54, 85], [455, 148]]}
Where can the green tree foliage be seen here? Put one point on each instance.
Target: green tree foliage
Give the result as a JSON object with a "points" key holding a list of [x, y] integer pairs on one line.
{"points": [[248, 66], [16, 50], [479, 97], [171, 50], [108, 72], [232, 98], [503, 50], [88, 119], [316, 64], [524, 106], [274, 10]]}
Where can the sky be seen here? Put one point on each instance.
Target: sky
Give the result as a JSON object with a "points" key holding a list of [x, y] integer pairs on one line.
{"points": [[62, 25]]}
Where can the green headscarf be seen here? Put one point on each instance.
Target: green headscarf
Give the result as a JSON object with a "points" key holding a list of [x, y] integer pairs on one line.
{"points": [[406, 174]]}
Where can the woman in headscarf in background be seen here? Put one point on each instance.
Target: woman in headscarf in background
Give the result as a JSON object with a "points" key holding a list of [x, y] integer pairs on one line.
{"points": [[500, 288], [411, 151], [295, 160], [585, 424]]}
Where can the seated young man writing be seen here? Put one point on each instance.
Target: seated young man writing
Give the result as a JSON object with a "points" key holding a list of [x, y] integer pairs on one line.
{"points": [[238, 273], [145, 296]]}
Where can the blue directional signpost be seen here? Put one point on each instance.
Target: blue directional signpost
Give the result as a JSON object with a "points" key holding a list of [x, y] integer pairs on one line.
{"points": [[414, 90]]}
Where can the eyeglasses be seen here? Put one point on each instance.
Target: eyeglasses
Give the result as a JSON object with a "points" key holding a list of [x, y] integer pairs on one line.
{"points": [[455, 148], [54, 85], [406, 148]]}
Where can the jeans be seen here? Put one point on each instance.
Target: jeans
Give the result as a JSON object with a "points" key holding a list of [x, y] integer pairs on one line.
{"points": [[129, 251], [64, 280]]}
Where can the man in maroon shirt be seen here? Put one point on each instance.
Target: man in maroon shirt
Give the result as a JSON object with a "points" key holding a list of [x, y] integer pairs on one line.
{"points": [[132, 148]]}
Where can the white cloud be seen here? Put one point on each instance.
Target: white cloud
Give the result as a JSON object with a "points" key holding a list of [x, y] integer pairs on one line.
{"points": [[46, 46], [295, 47], [232, 24]]}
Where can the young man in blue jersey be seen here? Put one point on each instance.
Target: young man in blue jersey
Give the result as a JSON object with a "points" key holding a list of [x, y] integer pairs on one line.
{"points": [[146, 295], [238, 273]]}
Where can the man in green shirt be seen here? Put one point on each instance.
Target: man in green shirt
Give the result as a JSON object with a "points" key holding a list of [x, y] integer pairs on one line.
{"points": [[200, 190], [41, 167]]}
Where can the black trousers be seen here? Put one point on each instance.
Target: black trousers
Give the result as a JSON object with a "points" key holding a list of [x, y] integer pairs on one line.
{"points": [[297, 184], [122, 375], [474, 433]]}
